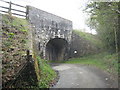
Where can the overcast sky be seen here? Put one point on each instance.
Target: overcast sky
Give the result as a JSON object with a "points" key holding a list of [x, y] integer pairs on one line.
{"points": [[69, 9]]}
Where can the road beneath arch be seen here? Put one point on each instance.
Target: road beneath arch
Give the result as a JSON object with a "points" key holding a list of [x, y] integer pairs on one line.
{"points": [[82, 76], [56, 49]]}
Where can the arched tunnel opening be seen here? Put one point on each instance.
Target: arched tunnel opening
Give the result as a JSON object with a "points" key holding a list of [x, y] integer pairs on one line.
{"points": [[57, 49]]}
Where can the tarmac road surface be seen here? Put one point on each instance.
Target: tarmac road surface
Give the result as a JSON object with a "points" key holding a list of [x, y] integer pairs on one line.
{"points": [[83, 76]]}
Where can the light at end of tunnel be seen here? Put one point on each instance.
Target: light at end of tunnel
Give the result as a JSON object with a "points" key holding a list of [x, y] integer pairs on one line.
{"points": [[75, 51]]}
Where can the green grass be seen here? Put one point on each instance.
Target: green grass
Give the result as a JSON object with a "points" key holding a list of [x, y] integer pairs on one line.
{"points": [[47, 74], [103, 61], [21, 24], [87, 36], [52, 61]]}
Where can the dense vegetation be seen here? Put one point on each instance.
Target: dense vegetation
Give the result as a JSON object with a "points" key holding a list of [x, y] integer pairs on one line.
{"points": [[104, 19]]}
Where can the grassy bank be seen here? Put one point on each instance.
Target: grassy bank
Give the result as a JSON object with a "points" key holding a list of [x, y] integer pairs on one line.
{"points": [[47, 74], [14, 45], [90, 37], [103, 61]]}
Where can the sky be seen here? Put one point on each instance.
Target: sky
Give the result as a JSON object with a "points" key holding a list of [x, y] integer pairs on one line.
{"points": [[68, 9]]}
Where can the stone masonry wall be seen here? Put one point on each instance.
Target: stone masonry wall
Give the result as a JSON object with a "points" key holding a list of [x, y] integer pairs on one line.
{"points": [[48, 26], [80, 47]]}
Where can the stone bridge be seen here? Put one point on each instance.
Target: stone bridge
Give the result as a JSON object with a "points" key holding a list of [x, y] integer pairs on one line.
{"points": [[52, 34]]}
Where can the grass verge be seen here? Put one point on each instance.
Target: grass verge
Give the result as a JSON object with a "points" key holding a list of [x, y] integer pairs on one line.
{"points": [[47, 74], [103, 61]]}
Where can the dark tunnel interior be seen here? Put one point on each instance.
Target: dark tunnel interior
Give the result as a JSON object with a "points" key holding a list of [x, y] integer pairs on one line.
{"points": [[56, 49]]}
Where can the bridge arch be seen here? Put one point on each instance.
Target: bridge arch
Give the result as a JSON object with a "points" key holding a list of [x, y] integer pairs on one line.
{"points": [[56, 49]]}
